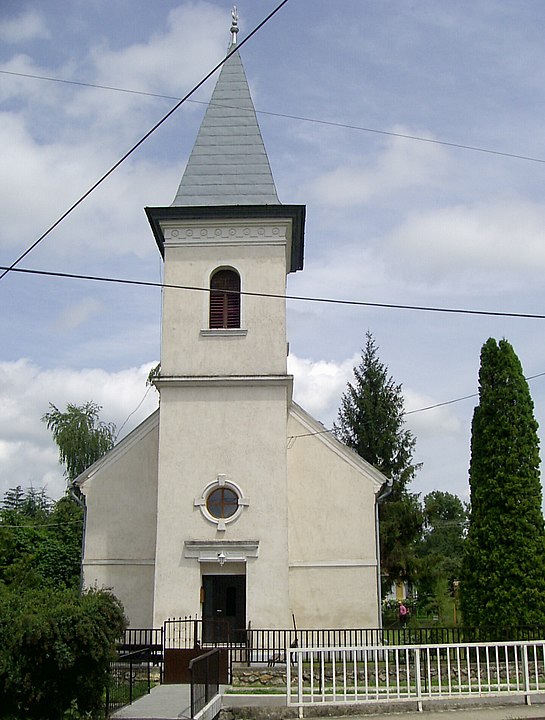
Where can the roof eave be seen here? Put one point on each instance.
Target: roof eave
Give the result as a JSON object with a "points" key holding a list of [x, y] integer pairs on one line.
{"points": [[296, 213]]}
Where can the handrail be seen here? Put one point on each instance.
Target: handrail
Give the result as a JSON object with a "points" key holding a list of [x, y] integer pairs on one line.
{"points": [[119, 698], [204, 685]]}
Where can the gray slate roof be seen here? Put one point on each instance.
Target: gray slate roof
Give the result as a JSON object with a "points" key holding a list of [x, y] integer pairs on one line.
{"points": [[228, 164]]}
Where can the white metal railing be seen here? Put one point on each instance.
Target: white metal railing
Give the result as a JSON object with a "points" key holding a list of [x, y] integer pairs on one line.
{"points": [[358, 674]]}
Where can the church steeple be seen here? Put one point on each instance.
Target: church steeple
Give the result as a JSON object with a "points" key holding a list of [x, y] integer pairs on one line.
{"points": [[228, 164]]}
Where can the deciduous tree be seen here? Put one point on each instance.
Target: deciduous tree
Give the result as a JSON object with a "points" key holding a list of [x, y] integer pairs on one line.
{"points": [[503, 571], [440, 551], [40, 540], [81, 436]]}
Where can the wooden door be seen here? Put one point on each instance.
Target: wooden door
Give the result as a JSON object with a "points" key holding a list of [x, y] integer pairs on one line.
{"points": [[224, 608]]}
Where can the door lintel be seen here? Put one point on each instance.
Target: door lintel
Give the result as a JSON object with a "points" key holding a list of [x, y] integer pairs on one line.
{"points": [[221, 551]]}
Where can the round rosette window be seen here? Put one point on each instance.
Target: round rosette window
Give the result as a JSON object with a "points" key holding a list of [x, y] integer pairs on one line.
{"points": [[221, 502]]}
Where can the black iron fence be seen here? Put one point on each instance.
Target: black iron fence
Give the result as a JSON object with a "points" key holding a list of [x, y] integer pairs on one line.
{"points": [[205, 679], [147, 640], [271, 646], [130, 678]]}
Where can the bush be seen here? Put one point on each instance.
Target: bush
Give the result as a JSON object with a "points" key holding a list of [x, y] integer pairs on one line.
{"points": [[55, 651]]}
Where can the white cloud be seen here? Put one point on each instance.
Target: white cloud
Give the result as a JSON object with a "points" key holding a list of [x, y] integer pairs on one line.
{"points": [[441, 433], [28, 454], [58, 140], [38, 182], [437, 419], [26, 26], [195, 40], [500, 242], [319, 385], [403, 164]]}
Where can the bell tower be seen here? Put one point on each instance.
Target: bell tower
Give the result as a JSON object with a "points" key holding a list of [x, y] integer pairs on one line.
{"points": [[227, 244]]}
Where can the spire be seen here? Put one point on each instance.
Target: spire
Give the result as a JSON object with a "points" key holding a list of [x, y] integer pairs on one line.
{"points": [[228, 164]]}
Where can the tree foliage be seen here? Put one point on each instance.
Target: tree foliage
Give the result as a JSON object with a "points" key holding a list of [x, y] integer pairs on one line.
{"points": [[40, 540], [440, 551], [55, 650], [445, 522], [503, 572], [82, 438], [371, 421], [55, 645]]}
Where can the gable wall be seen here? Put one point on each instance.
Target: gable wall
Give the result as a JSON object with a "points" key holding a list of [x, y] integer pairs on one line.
{"points": [[332, 552], [121, 499]]}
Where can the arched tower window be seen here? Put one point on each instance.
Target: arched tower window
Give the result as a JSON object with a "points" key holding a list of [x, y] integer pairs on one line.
{"points": [[225, 299]]}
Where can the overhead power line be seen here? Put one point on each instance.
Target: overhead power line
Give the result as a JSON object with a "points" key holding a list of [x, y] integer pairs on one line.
{"points": [[465, 397], [140, 142], [32, 526], [302, 298], [410, 412], [288, 116]]}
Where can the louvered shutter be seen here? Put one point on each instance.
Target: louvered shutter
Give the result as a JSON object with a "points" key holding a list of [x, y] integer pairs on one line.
{"points": [[225, 299]]}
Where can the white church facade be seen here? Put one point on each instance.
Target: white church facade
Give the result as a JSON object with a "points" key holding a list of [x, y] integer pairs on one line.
{"points": [[230, 501]]}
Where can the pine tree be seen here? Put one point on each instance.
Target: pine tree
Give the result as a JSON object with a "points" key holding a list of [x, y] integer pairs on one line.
{"points": [[503, 570], [371, 421]]}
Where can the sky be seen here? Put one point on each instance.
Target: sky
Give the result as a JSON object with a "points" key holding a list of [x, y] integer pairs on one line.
{"points": [[363, 107]]}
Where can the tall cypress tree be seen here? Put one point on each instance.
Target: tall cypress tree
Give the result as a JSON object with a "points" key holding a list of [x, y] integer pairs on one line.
{"points": [[371, 422], [503, 570]]}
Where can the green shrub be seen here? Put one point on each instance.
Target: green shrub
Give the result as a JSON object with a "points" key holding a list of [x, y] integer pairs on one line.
{"points": [[55, 651]]}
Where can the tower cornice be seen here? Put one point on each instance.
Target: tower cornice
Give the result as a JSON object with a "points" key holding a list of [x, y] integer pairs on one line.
{"points": [[159, 217], [222, 380]]}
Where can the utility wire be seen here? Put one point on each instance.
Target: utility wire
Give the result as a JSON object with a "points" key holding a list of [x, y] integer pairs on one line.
{"points": [[291, 297], [133, 412], [409, 412], [465, 397], [140, 142], [301, 118], [31, 526], [442, 404], [303, 298]]}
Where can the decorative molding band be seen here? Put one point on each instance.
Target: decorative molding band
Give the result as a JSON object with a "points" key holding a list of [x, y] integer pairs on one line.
{"points": [[222, 551], [118, 561], [332, 563], [204, 380], [237, 234]]}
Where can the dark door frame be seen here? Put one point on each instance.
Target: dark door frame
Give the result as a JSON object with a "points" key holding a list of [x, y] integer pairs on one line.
{"points": [[223, 607]]}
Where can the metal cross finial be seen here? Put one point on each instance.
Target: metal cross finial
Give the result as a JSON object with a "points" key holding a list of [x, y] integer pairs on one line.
{"points": [[234, 25]]}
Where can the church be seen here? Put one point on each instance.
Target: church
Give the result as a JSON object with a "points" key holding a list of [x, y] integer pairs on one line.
{"points": [[230, 501]]}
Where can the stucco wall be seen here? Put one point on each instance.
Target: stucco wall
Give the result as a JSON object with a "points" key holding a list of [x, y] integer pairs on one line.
{"points": [[121, 499], [237, 430], [132, 583], [332, 551], [261, 264]]}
